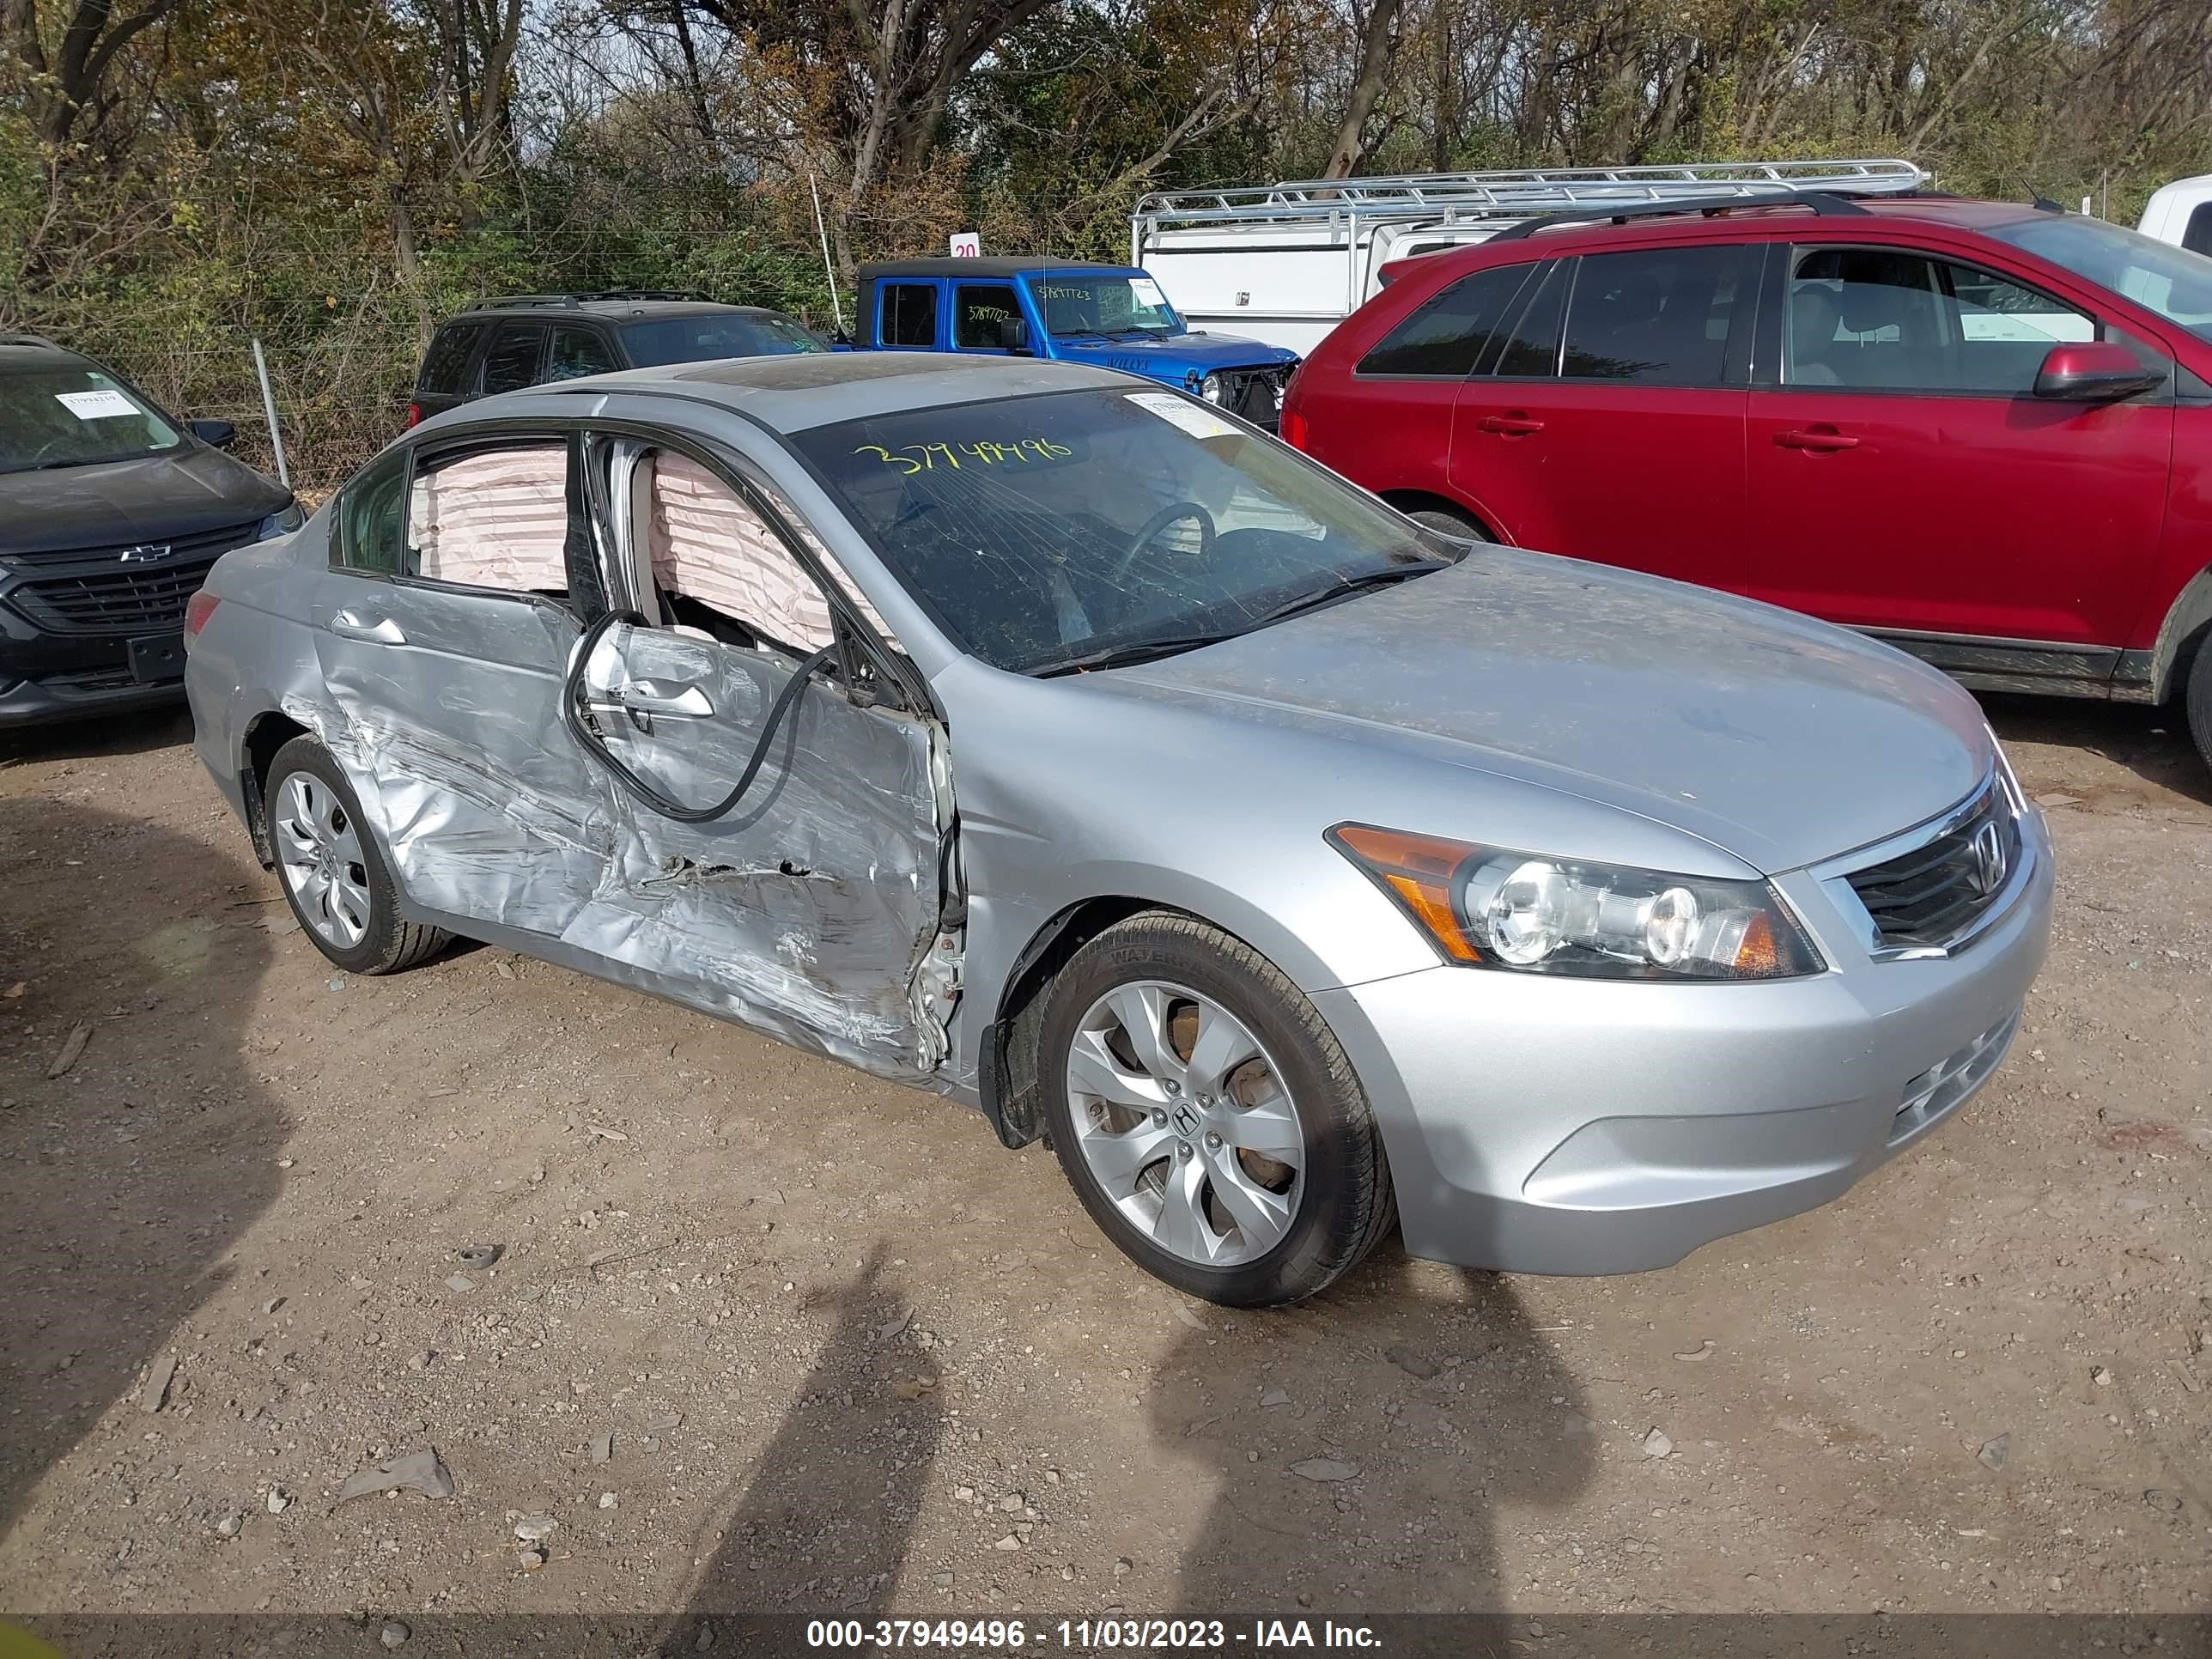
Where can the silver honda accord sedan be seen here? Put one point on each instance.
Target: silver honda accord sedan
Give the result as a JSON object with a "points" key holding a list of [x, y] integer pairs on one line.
{"points": [[1057, 743]]}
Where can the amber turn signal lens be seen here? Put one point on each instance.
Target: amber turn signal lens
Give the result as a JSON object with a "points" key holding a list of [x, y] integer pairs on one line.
{"points": [[1417, 870]]}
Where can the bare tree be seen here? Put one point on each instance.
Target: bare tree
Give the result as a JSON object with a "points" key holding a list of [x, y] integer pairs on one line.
{"points": [[70, 89], [1378, 46]]}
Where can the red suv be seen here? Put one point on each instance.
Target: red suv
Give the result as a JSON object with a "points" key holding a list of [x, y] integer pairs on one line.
{"points": [[1981, 432]]}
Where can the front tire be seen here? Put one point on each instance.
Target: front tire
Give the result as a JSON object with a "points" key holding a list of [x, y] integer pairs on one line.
{"points": [[332, 874], [1445, 522], [1207, 1118]]}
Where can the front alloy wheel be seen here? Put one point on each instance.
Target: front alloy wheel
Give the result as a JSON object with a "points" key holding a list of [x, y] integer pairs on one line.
{"points": [[1206, 1116], [1186, 1123]]}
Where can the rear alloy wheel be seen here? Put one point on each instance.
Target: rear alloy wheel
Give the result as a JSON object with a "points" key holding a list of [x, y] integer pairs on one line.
{"points": [[1206, 1116], [2197, 694], [333, 876]]}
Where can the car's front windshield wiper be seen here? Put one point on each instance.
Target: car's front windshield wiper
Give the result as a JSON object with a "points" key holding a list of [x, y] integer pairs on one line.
{"points": [[81, 460], [1388, 576], [1137, 651], [1123, 656]]}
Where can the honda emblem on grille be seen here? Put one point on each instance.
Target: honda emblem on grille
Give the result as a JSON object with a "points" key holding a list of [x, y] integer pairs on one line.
{"points": [[1989, 860], [145, 553]]}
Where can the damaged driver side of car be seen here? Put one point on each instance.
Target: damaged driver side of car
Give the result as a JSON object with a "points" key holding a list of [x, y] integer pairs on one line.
{"points": [[602, 696]]}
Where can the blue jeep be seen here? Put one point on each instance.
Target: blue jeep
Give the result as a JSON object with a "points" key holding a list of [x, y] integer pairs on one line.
{"points": [[1114, 316]]}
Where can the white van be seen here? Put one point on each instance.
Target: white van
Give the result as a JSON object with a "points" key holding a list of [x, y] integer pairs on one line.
{"points": [[2181, 213], [1286, 263]]}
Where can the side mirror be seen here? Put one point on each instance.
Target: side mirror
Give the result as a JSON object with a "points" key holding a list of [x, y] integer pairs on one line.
{"points": [[220, 434], [1013, 334], [2094, 372]]}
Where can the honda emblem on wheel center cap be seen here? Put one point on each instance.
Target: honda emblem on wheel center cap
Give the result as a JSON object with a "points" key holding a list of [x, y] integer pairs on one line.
{"points": [[1185, 1120]]}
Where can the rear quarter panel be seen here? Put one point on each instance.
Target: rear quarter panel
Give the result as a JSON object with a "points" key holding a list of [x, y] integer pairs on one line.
{"points": [[257, 653]]}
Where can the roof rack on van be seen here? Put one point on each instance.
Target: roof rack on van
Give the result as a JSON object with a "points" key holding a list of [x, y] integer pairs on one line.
{"points": [[1445, 196], [526, 302], [1825, 204]]}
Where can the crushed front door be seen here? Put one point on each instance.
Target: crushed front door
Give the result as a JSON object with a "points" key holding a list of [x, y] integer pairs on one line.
{"points": [[808, 907]]}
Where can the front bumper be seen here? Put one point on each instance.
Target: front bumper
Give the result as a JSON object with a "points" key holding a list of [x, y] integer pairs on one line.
{"points": [[46, 677], [1557, 1126]]}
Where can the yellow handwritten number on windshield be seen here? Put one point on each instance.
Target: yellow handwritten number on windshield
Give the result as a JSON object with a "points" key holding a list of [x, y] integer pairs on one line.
{"points": [[911, 458]]}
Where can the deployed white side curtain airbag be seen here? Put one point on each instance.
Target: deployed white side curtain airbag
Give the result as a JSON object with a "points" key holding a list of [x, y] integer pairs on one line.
{"points": [[498, 519], [709, 546]]}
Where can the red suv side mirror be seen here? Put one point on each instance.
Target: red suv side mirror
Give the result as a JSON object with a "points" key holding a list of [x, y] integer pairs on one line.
{"points": [[2094, 372]]}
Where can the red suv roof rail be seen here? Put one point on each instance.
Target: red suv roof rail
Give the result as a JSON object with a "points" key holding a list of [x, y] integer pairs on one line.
{"points": [[1824, 204]]}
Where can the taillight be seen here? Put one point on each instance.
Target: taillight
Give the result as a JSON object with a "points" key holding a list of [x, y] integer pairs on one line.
{"points": [[414, 414], [197, 610]]}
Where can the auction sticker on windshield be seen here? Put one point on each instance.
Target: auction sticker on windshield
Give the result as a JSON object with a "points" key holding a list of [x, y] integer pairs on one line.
{"points": [[1199, 423], [1147, 291], [95, 406]]}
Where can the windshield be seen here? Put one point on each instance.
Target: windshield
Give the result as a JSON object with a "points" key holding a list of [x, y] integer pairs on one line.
{"points": [[1103, 305], [1053, 533], [67, 416], [2172, 281], [695, 339]]}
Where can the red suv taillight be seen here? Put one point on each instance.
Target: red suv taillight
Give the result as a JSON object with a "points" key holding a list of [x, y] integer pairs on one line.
{"points": [[414, 414], [1293, 426], [197, 610]]}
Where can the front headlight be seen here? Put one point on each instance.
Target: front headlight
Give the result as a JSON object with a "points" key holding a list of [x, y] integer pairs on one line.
{"points": [[1487, 907], [1214, 388], [282, 522]]}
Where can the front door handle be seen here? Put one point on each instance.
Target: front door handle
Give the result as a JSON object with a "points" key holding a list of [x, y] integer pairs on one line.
{"points": [[352, 625], [1515, 425], [664, 697], [1821, 440]]}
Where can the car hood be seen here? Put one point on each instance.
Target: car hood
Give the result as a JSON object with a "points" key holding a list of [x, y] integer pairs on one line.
{"points": [[1175, 355], [152, 498], [1779, 739]]}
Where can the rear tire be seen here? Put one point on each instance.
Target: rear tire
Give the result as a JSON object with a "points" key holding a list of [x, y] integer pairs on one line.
{"points": [[2196, 696], [1249, 1181], [330, 867], [1445, 522]]}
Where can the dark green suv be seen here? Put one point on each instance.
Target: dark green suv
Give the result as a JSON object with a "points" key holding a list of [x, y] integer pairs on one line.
{"points": [[504, 345]]}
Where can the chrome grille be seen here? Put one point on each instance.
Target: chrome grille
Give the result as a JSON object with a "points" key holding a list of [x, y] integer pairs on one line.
{"points": [[131, 599], [1930, 895], [200, 544]]}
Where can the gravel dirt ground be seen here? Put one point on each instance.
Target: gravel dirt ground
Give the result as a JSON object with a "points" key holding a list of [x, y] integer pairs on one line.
{"points": [[764, 1333]]}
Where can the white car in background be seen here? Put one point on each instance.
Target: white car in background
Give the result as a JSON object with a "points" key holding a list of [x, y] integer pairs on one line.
{"points": [[2181, 213]]}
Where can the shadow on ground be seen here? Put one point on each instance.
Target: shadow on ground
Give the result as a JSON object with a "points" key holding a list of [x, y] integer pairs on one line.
{"points": [[2154, 743], [135, 733], [126, 1183], [1431, 1381], [820, 1525]]}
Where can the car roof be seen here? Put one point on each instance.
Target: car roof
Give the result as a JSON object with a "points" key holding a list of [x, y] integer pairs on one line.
{"points": [[36, 351], [1761, 222], [555, 305], [942, 266], [799, 390]]}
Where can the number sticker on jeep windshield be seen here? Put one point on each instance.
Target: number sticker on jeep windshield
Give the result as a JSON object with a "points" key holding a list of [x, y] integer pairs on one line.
{"points": [[910, 458]]}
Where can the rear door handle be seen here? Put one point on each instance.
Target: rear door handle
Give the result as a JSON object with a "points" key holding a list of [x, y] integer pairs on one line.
{"points": [[664, 697], [351, 625], [1821, 440], [1512, 426]]}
